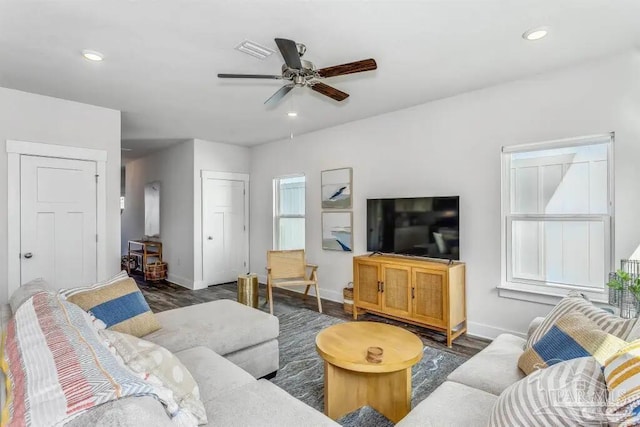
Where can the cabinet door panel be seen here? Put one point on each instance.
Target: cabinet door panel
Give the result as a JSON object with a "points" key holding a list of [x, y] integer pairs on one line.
{"points": [[430, 293], [396, 296], [366, 284]]}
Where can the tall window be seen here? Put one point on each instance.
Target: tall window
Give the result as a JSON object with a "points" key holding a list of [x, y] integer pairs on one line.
{"points": [[556, 210], [288, 212]]}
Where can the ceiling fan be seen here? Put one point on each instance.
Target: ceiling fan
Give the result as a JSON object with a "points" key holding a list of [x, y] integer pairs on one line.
{"points": [[303, 73]]}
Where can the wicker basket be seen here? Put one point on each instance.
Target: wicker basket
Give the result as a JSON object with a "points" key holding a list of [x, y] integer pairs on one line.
{"points": [[156, 271], [347, 304]]}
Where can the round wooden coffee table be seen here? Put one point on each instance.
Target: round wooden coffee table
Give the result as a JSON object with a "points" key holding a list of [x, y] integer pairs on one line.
{"points": [[350, 381]]}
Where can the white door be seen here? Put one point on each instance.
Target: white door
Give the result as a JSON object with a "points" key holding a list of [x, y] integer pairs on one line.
{"points": [[58, 230], [224, 230]]}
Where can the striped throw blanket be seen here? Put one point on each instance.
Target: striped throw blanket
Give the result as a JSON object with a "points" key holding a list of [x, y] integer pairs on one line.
{"points": [[56, 366]]}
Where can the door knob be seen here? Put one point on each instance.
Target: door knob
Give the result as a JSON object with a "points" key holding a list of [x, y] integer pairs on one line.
{"points": [[209, 238], [28, 255]]}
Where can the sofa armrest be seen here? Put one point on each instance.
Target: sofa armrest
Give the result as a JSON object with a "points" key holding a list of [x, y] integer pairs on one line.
{"points": [[535, 323]]}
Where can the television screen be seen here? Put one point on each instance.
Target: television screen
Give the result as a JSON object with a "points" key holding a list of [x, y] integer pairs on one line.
{"points": [[420, 226]]}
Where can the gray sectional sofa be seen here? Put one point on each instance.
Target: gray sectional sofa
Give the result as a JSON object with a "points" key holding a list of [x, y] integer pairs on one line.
{"points": [[227, 347]]}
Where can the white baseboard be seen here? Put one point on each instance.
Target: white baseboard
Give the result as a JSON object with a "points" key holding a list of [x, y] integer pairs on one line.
{"points": [[199, 284], [181, 281], [489, 332]]}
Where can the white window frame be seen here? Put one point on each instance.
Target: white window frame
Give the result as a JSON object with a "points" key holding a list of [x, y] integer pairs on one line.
{"points": [[276, 208], [533, 290]]}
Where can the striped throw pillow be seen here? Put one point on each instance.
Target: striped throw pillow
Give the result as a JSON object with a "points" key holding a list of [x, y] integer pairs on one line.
{"points": [[622, 375], [120, 305], [66, 293], [571, 393], [575, 302], [573, 336]]}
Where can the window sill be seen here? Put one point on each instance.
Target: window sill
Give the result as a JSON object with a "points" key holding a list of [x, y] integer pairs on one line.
{"points": [[548, 296]]}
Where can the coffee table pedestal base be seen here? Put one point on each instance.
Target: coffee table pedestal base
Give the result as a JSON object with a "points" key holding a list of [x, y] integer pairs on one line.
{"points": [[345, 391]]}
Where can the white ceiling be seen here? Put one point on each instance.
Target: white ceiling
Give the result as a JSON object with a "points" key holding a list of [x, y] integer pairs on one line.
{"points": [[162, 56]]}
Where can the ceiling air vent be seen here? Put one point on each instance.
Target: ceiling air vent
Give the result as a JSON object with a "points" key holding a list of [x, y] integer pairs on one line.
{"points": [[254, 49]]}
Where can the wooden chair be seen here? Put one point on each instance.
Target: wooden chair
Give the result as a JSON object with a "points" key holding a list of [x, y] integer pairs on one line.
{"points": [[289, 268]]}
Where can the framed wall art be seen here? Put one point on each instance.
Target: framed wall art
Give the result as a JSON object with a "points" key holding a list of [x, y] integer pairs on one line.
{"points": [[336, 188], [337, 231]]}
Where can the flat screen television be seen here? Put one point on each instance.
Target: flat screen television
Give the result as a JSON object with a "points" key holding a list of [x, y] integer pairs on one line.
{"points": [[418, 226]]}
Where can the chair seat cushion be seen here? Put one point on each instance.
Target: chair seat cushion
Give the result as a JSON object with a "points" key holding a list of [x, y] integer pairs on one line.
{"points": [[224, 326]]}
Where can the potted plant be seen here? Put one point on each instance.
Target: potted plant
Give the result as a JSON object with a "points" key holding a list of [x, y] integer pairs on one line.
{"points": [[624, 292]]}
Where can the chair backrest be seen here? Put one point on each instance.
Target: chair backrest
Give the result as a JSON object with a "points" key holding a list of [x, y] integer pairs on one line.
{"points": [[286, 264]]}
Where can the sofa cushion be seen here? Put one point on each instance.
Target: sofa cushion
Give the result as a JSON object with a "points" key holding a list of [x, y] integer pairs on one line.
{"points": [[127, 412], [120, 305], [568, 393], [224, 326], [214, 374], [258, 360], [26, 291], [494, 368], [159, 365], [623, 383], [573, 302], [260, 403], [452, 405], [573, 336]]}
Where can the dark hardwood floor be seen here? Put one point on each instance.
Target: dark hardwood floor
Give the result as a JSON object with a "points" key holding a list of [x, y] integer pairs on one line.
{"points": [[163, 296]]}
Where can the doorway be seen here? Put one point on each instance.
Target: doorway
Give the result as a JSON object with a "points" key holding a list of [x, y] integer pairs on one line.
{"points": [[56, 209], [225, 231]]}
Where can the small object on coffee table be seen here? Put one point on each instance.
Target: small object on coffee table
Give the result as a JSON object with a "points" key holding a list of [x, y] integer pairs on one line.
{"points": [[374, 354], [351, 381]]}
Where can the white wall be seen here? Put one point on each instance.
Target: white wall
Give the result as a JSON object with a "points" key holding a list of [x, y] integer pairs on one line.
{"points": [[216, 157], [173, 167], [452, 147], [35, 118]]}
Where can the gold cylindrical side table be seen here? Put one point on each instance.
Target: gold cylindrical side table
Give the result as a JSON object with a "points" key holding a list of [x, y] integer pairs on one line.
{"points": [[248, 290]]}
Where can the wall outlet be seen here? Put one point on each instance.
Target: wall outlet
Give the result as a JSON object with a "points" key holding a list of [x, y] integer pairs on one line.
{"points": [[178, 261]]}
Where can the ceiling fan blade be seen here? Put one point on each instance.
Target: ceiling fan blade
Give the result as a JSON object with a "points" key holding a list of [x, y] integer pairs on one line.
{"points": [[349, 68], [249, 76], [289, 51], [329, 91], [281, 93]]}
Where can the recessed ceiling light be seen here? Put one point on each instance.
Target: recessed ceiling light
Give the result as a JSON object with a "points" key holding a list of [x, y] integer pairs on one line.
{"points": [[535, 33], [292, 114], [92, 55]]}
